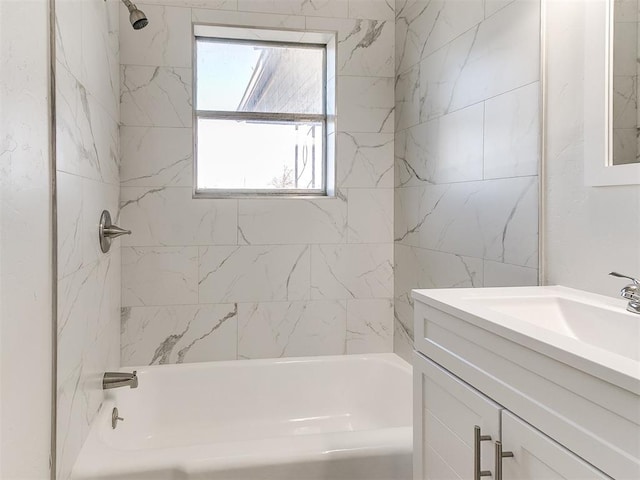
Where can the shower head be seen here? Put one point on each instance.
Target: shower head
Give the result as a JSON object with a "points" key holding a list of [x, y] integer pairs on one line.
{"points": [[137, 17]]}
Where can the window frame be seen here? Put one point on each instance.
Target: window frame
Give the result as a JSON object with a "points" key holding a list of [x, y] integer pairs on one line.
{"points": [[280, 38]]}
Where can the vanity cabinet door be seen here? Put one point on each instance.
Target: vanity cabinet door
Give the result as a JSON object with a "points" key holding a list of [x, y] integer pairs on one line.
{"points": [[536, 456], [446, 410]]}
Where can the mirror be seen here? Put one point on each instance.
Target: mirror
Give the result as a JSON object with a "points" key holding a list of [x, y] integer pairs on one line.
{"points": [[610, 93], [625, 114]]}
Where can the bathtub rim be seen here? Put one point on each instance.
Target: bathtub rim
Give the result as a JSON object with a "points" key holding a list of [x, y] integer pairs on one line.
{"points": [[389, 358]]}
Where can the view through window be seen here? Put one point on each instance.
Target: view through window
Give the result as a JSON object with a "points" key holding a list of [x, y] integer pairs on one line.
{"points": [[260, 117]]}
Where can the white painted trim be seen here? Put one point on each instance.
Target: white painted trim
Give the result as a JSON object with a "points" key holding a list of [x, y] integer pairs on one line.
{"points": [[598, 155]]}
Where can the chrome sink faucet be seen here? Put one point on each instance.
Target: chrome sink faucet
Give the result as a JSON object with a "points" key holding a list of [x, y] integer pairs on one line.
{"points": [[631, 292], [119, 379]]}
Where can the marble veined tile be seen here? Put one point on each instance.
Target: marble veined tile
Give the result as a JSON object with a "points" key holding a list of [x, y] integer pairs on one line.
{"points": [[425, 26], [100, 65], [408, 101], [492, 6], [352, 271], [88, 341], [512, 133], [88, 302], [365, 160], [511, 228], [70, 224], [178, 334], [68, 36], [224, 17], [253, 273], [505, 54], [403, 317], [439, 74], [289, 329], [379, 9], [422, 268], [80, 203], [159, 276], [492, 219], [170, 216], [87, 136], [444, 150], [370, 215], [366, 104], [413, 207], [318, 8], [402, 342], [369, 326], [292, 221], [498, 55], [156, 157], [71, 421], [155, 96], [365, 47], [165, 41], [498, 274], [211, 4]]}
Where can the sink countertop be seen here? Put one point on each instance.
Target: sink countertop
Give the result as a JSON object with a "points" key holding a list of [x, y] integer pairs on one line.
{"points": [[590, 332]]}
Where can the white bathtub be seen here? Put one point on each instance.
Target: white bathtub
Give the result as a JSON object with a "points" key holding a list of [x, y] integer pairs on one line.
{"points": [[339, 417]]}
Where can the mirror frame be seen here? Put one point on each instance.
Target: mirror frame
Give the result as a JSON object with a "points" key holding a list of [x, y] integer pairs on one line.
{"points": [[598, 101]]}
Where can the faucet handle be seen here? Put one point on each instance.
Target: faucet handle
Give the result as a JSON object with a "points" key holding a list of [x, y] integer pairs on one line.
{"points": [[619, 275]]}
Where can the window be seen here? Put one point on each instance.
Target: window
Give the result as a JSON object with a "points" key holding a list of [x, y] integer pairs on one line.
{"points": [[260, 113]]}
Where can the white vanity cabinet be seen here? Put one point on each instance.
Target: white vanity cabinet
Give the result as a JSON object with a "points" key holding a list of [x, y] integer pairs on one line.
{"points": [[458, 430], [562, 414]]}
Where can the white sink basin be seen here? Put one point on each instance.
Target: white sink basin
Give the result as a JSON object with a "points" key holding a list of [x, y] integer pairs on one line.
{"points": [[588, 331], [613, 330]]}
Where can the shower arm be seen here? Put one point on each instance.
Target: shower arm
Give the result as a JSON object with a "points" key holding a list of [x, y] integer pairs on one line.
{"points": [[130, 6]]}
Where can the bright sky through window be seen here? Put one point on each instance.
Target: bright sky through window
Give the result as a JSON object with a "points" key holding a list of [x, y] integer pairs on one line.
{"points": [[225, 70]]}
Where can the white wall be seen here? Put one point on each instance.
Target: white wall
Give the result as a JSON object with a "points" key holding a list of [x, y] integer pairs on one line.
{"points": [[466, 148], [88, 181], [589, 231], [254, 278], [25, 242]]}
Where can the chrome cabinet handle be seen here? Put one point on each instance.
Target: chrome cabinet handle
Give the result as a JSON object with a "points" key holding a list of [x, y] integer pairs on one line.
{"points": [[499, 456], [477, 438]]}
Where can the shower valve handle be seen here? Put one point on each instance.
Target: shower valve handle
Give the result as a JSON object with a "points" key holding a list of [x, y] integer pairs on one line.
{"points": [[114, 231], [108, 231]]}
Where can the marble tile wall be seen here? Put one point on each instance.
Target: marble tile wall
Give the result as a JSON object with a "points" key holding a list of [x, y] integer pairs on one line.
{"points": [[88, 181], [227, 279], [466, 148]]}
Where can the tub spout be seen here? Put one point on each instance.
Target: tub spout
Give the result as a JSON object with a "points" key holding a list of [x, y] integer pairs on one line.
{"points": [[119, 379]]}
